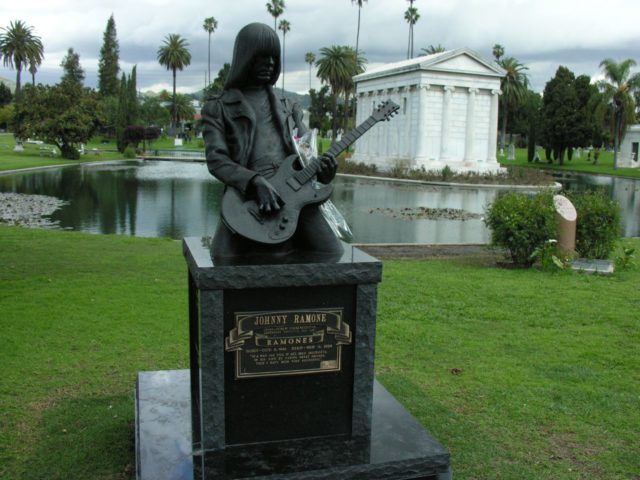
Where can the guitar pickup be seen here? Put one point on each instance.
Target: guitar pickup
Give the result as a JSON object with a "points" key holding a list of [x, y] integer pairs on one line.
{"points": [[294, 184]]}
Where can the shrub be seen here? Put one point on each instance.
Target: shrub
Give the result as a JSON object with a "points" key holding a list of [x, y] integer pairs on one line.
{"points": [[598, 224], [129, 152], [521, 224]]}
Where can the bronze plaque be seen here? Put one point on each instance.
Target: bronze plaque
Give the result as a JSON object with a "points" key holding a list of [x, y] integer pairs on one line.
{"points": [[292, 342]]}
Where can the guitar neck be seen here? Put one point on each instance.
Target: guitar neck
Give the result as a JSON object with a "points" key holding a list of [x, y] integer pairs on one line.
{"points": [[307, 173], [351, 137]]}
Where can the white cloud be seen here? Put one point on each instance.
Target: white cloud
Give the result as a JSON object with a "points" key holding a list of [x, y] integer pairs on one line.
{"points": [[541, 33]]}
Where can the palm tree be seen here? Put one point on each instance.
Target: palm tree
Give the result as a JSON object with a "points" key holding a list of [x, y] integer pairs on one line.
{"points": [[34, 63], [20, 47], [619, 88], [285, 26], [275, 9], [174, 55], [359, 3], [411, 16], [336, 67], [431, 49], [210, 24], [514, 86], [357, 66], [498, 52], [310, 58]]}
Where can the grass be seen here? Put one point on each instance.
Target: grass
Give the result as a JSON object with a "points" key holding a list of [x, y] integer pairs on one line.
{"points": [[32, 156], [581, 165], [522, 374]]}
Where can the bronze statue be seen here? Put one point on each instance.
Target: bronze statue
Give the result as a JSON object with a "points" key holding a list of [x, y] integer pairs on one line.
{"points": [[248, 135]]}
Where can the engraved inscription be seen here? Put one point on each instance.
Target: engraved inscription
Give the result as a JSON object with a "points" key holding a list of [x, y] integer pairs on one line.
{"points": [[288, 343]]}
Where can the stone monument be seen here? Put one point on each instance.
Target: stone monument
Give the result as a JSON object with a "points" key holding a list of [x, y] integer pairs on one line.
{"points": [[281, 320]]}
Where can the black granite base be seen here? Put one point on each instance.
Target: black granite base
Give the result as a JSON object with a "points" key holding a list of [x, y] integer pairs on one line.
{"points": [[398, 449]]}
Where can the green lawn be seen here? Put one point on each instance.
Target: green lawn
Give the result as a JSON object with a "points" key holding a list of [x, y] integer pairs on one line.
{"points": [[33, 156], [522, 374], [604, 167]]}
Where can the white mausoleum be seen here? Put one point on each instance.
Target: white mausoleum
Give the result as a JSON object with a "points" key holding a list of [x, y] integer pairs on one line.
{"points": [[628, 156], [448, 113]]}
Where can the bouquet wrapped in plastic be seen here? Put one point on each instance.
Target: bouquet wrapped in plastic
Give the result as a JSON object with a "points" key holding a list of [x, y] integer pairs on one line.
{"points": [[307, 149]]}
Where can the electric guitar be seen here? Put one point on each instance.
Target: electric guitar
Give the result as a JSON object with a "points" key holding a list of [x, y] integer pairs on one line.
{"points": [[243, 216]]}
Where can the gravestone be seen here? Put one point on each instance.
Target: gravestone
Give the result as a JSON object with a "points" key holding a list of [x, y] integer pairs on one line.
{"points": [[512, 152], [281, 381]]}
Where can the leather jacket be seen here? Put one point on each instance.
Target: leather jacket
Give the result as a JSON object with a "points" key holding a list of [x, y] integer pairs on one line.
{"points": [[229, 127]]}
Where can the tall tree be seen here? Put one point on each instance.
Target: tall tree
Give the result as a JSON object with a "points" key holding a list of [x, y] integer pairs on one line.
{"points": [[174, 55], [70, 64], [560, 113], [359, 3], [284, 26], [498, 52], [619, 88], [128, 111], [33, 69], [275, 9], [310, 58], [336, 67], [108, 65], [514, 87], [19, 46], [411, 16], [210, 24]]}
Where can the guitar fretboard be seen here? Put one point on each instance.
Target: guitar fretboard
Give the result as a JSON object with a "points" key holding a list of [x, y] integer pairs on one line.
{"points": [[307, 173]]}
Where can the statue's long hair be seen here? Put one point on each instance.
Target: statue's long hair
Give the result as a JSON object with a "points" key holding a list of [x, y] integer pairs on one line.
{"points": [[255, 39]]}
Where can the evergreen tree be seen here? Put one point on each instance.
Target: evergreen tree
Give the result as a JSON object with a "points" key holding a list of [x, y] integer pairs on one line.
{"points": [[128, 108], [108, 66], [73, 72], [560, 113], [133, 106], [121, 118]]}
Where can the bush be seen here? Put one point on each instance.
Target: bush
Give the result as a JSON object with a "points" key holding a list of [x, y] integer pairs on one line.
{"points": [[522, 224], [598, 224], [129, 152]]}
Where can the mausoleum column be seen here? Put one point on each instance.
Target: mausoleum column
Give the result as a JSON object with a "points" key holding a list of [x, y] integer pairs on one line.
{"points": [[421, 134], [493, 127], [446, 122], [468, 141]]}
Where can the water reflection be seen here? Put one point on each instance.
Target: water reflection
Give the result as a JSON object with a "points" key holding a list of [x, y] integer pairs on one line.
{"points": [[177, 199]]}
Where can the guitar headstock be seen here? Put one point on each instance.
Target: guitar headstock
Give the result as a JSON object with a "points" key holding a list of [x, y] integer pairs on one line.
{"points": [[385, 111]]}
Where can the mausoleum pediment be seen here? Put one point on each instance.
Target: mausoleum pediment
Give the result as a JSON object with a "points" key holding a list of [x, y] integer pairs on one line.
{"points": [[460, 61]]}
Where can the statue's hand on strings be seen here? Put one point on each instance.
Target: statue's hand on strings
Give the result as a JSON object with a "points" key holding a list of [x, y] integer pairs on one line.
{"points": [[267, 196]]}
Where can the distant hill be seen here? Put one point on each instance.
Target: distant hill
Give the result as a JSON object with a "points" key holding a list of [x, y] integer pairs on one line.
{"points": [[303, 100]]}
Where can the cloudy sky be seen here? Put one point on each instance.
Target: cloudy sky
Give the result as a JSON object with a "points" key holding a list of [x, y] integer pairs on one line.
{"points": [[542, 34]]}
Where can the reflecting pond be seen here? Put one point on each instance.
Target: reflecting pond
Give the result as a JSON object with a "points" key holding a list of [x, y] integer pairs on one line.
{"points": [[177, 199]]}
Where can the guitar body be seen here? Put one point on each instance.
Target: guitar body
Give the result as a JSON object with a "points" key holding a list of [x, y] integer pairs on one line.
{"points": [[243, 215]]}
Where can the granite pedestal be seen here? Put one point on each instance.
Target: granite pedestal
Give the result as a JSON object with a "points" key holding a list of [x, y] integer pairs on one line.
{"points": [[281, 378]]}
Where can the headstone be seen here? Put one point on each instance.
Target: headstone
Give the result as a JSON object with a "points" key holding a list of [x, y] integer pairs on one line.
{"points": [[604, 267], [566, 215], [512, 152], [177, 142], [536, 155], [578, 153]]}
